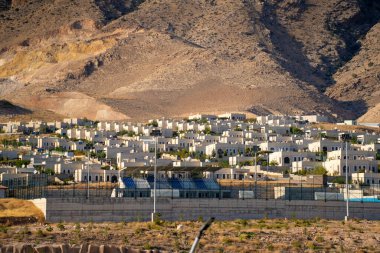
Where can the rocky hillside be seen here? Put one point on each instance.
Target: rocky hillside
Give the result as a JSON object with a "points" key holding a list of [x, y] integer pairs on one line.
{"points": [[119, 59]]}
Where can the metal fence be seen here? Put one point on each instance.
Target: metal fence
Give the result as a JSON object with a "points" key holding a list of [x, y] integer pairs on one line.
{"points": [[234, 189]]}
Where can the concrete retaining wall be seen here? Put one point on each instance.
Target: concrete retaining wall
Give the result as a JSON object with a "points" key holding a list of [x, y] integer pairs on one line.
{"points": [[128, 209]]}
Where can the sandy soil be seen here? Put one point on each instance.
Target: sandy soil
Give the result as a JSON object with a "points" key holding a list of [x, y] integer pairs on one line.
{"points": [[223, 236]]}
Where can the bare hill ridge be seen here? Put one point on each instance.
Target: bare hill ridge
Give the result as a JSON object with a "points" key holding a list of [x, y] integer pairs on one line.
{"points": [[119, 59]]}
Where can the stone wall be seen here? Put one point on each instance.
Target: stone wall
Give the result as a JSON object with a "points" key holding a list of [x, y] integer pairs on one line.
{"points": [[129, 209]]}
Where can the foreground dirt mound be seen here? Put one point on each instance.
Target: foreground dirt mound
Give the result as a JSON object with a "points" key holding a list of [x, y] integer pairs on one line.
{"points": [[17, 211]]}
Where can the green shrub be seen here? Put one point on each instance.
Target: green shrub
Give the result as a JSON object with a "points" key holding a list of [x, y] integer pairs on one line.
{"points": [[40, 233], [60, 226], [49, 228]]}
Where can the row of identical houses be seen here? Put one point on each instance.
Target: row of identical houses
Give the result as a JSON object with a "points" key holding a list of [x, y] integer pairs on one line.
{"points": [[243, 147]]}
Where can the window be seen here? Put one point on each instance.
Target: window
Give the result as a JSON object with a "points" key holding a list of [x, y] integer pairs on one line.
{"points": [[96, 178]]}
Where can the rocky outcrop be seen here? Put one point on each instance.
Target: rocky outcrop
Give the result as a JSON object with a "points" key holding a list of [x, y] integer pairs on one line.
{"points": [[65, 248]]}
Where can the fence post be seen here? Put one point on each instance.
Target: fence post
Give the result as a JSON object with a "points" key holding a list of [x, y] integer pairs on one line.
{"points": [[220, 190], [243, 189]]}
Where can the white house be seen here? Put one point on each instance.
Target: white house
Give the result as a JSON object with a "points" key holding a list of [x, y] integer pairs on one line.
{"points": [[368, 178], [285, 158], [96, 175], [357, 161]]}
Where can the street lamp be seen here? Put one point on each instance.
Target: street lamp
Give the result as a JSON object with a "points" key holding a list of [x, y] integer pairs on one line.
{"points": [[88, 177], [346, 137], [155, 176]]}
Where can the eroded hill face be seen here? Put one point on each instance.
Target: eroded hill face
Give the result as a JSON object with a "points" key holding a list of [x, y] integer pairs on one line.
{"points": [[117, 59]]}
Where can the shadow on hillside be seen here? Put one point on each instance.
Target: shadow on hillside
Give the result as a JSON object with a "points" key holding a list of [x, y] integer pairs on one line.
{"points": [[7, 108], [113, 9], [350, 30], [353, 29], [356, 108], [290, 52]]}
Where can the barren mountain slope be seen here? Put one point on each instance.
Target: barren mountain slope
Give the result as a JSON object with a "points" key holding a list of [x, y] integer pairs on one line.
{"points": [[116, 59], [359, 79]]}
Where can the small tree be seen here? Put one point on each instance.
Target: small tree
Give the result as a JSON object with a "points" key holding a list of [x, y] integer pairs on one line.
{"points": [[213, 154], [318, 170], [273, 163], [295, 130], [224, 164], [207, 130]]}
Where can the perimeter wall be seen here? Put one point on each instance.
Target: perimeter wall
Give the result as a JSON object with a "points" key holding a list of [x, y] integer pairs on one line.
{"points": [[130, 209]]}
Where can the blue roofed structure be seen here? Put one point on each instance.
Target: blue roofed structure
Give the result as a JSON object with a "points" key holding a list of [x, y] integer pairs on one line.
{"points": [[188, 188]]}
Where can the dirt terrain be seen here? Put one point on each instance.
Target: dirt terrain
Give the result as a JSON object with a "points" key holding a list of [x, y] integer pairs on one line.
{"points": [[223, 236], [121, 59], [18, 225]]}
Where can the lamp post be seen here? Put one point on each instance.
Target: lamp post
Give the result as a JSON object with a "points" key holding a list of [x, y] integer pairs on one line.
{"points": [[346, 137], [256, 167], [155, 177], [88, 177]]}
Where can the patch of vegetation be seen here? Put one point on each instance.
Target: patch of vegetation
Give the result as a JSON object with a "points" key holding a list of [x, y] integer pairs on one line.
{"points": [[317, 170], [295, 130]]}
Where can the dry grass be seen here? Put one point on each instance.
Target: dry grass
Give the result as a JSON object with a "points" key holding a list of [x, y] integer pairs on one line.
{"points": [[19, 208], [265, 235]]}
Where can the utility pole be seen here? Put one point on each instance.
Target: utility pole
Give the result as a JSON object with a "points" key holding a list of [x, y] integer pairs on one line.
{"points": [[255, 175], [347, 191], [346, 137], [155, 179], [88, 177]]}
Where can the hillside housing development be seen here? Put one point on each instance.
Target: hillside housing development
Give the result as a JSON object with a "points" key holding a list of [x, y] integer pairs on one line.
{"points": [[213, 147]]}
